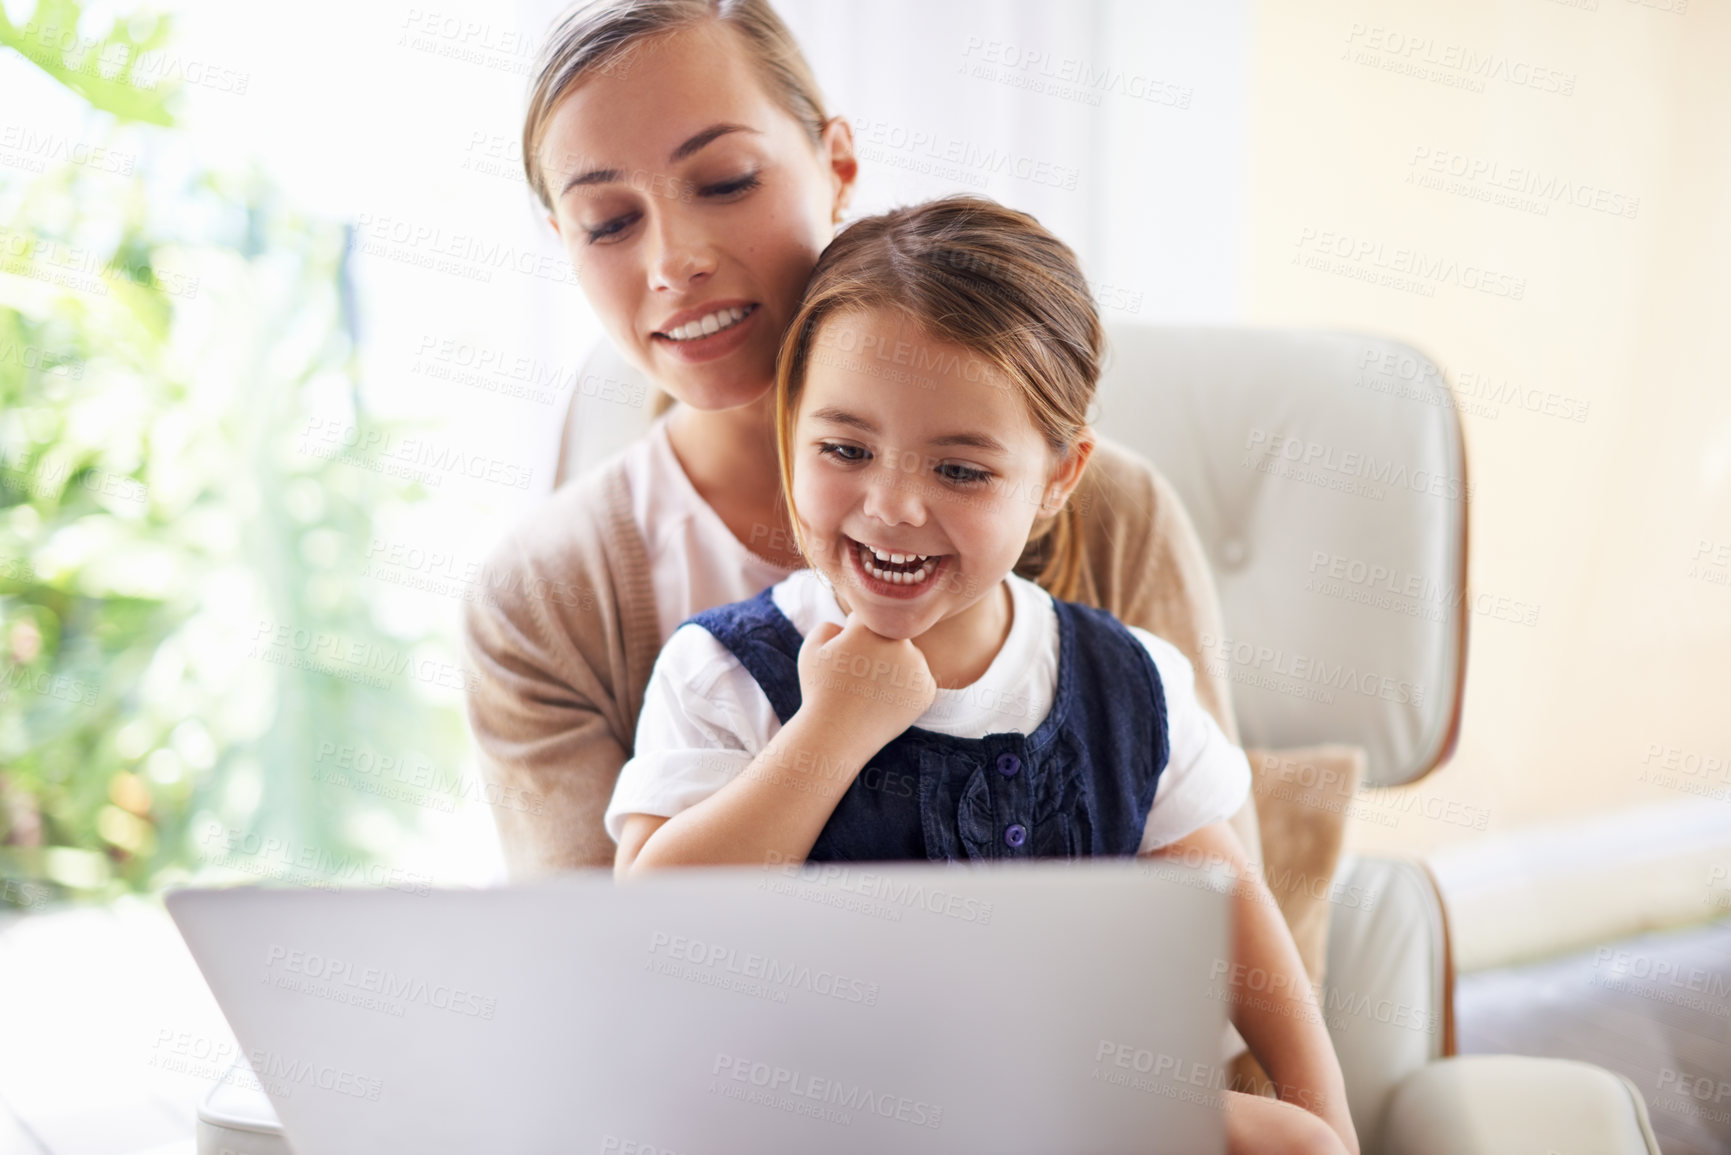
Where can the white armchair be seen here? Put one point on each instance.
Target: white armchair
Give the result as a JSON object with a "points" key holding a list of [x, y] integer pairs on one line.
{"points": [[1302, 457], [1326, 477]]}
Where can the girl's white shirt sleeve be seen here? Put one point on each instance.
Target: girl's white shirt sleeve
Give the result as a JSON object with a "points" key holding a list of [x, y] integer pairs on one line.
{"points": [[703, 721], [1206, 778]]}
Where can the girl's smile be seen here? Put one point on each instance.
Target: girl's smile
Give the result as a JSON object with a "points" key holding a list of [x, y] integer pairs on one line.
{"points": [[890, 574]]}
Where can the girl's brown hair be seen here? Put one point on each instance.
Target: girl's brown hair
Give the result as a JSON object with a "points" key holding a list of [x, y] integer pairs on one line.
{"points": [[991, 280], [604, 35]]}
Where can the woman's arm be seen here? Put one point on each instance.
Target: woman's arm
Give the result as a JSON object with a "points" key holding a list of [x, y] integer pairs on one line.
{"points": [[1273, 1005], [776, 808], [548, 753], [556, 661]]}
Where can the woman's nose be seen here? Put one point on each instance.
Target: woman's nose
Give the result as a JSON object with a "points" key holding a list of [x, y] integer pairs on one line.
{"points": [[681, 254], [893, 495]]}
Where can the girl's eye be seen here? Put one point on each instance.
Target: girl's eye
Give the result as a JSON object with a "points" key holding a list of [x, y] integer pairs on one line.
{"points": [[611, 228], [743, 184], [841, 452], [962, 474]]}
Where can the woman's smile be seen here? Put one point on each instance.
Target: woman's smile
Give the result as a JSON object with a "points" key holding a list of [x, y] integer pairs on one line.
{"points": [[708, 331]]}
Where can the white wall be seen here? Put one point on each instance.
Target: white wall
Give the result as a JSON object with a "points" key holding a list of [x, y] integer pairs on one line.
{"points": [[1585, 149]]}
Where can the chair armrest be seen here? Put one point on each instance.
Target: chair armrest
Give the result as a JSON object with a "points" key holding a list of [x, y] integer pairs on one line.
{"points": [[1386, 991], [1484, 1104]]}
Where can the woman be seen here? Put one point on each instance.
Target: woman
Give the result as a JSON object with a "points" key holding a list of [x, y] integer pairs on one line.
{"points": [[684, 156]]}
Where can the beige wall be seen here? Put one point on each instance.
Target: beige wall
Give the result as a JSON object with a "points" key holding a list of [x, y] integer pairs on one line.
{"points": [[1596, 522]]}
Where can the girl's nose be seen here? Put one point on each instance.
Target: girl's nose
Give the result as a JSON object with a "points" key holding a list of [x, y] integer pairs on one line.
{"points": [[680, 253], [893, 495]]}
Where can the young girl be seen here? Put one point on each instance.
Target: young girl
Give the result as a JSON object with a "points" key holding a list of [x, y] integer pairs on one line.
{"points": [[909, 696]]}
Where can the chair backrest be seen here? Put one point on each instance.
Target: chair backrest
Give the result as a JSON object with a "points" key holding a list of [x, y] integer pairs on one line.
{"points": [[1326, 478]]}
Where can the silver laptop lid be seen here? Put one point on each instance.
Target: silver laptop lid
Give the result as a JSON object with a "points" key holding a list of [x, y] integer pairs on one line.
{"points": [[1015, 1008]]}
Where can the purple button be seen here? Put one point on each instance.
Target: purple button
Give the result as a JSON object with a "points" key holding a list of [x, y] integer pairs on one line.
{"points": [[1008, 764], [1015, 834]]}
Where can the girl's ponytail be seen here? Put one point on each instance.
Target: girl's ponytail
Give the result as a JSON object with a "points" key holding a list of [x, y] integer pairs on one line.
{"points": [[1055, 553]]}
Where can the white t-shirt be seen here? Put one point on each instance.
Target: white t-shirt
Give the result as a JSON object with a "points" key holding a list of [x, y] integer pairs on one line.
{"points": [[704, 717], [695, 562]]}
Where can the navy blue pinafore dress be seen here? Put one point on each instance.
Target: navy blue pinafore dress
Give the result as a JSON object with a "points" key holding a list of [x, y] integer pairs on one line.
{"points": [[1078, 786]]}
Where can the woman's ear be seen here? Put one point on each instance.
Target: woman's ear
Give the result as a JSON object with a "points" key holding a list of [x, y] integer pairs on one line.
{"points": [[837, 152], [1067, 474]]}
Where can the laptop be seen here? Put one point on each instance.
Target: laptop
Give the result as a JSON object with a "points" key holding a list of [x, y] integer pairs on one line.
{"points": [[1020, 1008]]}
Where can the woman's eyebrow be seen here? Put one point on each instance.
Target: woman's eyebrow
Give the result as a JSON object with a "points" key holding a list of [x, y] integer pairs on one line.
{"points": [[691, 147], [697, 142]]}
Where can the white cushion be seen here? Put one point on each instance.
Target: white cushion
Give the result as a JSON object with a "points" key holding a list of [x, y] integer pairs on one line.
{"points": [[1489, 1104]]}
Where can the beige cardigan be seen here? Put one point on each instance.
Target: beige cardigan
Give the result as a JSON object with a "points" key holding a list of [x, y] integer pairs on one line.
{"points": [[563, 640]]}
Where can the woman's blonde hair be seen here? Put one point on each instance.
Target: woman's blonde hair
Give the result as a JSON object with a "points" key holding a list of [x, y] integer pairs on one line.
{"points": [[971, 273], [603, 36]]}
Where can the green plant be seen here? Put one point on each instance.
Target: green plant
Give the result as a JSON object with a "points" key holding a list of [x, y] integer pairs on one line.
{"points": [[167, 531]]}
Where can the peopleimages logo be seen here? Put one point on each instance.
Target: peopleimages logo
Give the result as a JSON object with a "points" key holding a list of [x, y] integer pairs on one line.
{"points": [[792, 1090], [1373, 260], [1066, 77], [778, 973], [968, 157], [1303, 668], [420, 458], [1545, 188], [1458, 65], [894, 889], [1402, 374], [1267, 446], [1388, 587], [347, 976]]}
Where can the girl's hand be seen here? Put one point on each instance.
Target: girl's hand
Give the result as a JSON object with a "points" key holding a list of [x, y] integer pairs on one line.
{"points": [[870, 686]]}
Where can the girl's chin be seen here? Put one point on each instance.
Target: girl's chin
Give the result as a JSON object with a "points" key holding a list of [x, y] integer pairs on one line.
{"points": [[887, 626], [896, 623]]}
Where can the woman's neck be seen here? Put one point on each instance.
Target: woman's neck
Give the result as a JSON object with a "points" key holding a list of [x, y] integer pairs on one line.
{"points": [[730, 457]]}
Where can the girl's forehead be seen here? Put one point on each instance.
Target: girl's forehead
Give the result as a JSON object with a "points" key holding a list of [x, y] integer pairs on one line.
{"points": [[884, 368]]}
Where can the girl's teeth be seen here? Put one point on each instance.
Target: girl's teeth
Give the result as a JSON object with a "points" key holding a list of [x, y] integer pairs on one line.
{"points": [[872, 559]]}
